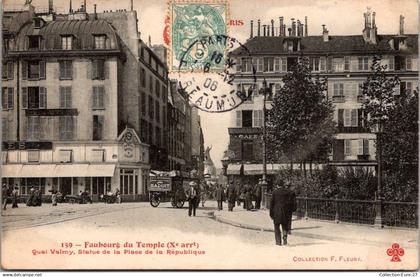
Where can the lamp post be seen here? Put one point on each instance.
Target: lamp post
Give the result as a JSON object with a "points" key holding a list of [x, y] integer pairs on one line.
{"points": [[379, 197], [264, 154]]}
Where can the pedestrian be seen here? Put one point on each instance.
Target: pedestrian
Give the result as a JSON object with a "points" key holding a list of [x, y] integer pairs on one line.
{"points": [[220, 197], [231, 196], [30, 201], [5, 192], [87, 195], [54, 193], [15, 197], [280, 210], [192, 197], [257, 193], [292, 207], [37, 199], [118, 195], [238, 194], [248, 197]]}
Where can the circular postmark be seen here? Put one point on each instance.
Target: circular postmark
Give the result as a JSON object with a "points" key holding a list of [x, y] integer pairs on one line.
{"points": [[207, 73]]}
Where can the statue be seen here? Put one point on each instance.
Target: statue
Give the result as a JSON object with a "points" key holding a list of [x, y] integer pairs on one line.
{"points": [[209, 168]]}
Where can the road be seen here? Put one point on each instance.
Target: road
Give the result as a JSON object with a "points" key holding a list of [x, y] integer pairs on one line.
{"points": [[35, 230]]}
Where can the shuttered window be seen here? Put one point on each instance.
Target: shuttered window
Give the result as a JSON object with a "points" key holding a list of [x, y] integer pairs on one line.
{"points": [[67, 42], [66, 126], [7, 98], [66, 69], [347, 147], [100, 42], [98, 122], [42, 98], [98, 155], [98, 97], [33, 127], [238, 118], [258, 118], [98, 69], [4, 130], [8, 71], [65, 97], [66, 156]]}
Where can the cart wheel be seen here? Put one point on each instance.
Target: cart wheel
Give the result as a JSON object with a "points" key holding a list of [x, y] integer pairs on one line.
{"points": [[180, 204], [155, 201]]}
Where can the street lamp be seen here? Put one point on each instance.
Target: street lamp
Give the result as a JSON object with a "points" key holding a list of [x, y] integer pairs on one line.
{"points": [[264, 176]]}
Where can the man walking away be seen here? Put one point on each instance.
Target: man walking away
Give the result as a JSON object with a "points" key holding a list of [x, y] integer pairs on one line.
{"points": [[279, 210], [54, 192], [231, 196], [5, 193], [220, 197], [192, 198]]}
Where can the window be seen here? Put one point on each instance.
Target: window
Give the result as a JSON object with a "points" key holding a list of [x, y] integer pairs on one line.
{"points": [[363, 63], [400, 62], [143, 77], [238, 118], [151, 107], [338, 92], [269, 64], [247, 118], [98, 69], [66, 127], [247, 150], [277, 88], [157, 89], [258, 118], [144, 133], [259, 64], [157, 111], [143, 104], [151, 84], [98, 97], [7, 98], [33, 156], [66, 42], [408, 63], [150, 133], [33, 42], [347, 147], [346, 63], [246, 65], [406, 87], [35, 70], [247, 89], [4, 130], [158, 137], [8, 71], [33, 127], [338, 64], [100, 42], [65, 98], [314, 64], [350, 118], [66, 69], [66, 156], [163, 90], [98, 155], [34, 98], [391, 63], [363, 147]]}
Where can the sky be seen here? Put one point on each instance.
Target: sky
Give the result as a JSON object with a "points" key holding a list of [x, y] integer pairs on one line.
{"points": [[341, 17]]}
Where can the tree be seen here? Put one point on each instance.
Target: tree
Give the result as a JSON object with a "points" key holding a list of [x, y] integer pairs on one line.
{"points": [[378, 90], [300, 123]]}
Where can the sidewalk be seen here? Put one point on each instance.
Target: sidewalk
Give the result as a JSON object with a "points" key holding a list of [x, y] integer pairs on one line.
{"points": [[325, 230]]}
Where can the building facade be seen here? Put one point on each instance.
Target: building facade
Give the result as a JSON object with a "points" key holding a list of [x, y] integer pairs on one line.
{"points": [[344, 60], [65, 118]]}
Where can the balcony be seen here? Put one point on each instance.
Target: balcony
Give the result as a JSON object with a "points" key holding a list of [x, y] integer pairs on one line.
{"points": [[245, 131], [364, 157], [352, 129], [338, 98]]}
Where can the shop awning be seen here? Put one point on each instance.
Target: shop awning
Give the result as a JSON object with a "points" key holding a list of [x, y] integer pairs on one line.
{"points": [[37, 170], [234, 169], [101, 170], [11, 170], [253, 169], [71, 170]]}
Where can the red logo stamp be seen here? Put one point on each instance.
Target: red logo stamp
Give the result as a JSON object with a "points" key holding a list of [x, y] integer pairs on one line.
{"points": [[395, 252]]}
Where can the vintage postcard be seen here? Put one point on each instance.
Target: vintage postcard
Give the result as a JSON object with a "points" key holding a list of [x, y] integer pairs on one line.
{"points": [[209, 135]]}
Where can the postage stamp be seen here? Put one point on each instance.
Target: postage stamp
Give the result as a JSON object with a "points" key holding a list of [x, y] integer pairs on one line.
{"points": [[188, 22]]}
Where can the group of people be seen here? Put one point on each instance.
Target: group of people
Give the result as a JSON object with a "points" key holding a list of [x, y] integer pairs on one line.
{"points": [[8, 193], [235, 194]]}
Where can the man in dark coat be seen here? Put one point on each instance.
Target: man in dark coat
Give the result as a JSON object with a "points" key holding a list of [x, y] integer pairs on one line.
{"points": [[280, 208], [192, 197], [231, 196], [248, 197], [6, 193], [220, 197]]}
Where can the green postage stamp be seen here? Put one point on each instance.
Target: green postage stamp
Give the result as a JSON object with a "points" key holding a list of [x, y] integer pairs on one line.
{"points": [[190, 21]]}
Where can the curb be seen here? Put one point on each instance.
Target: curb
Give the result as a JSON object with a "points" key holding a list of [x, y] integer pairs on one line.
{"points": [[311, 236]]}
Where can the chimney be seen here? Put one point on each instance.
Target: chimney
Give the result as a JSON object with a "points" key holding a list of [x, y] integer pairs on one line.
{"points": [[264, 26], [272, 27], [70, 8], [325, 36], [252, 28], [306, 26], [150, 41], [95, 16], [290, 31], [373, 30], [293, 27], [268, 30], [50, 6], [84, 5], [401, 25], [131, 5], [281, 26], [299, 29], [259, 27]]}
